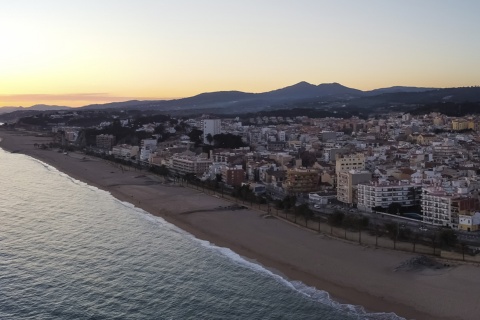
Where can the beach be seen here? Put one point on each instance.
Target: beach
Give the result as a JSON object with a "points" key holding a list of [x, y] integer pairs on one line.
{"points": [[351, 273]]}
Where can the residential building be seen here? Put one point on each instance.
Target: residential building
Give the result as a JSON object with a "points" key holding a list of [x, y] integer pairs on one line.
{"points": [[347, 180], [345, 162], [233, 176], [124, 151], [459, 124], [184, 164], [469, 222], [105, 141], [382, 194], [212, 127], [436, 206], [301, 181]]}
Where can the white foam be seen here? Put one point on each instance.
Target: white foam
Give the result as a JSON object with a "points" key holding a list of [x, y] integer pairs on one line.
{"points": [[311, 292]]}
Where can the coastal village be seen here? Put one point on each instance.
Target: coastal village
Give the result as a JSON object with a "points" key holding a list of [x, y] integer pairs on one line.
{"points": [[420, 167]]}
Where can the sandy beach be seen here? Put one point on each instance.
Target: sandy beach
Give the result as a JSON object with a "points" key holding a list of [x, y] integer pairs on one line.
{"points": [[351, 273]]}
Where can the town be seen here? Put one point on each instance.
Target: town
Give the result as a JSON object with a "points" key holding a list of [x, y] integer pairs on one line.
{"points": [[420, 171]]}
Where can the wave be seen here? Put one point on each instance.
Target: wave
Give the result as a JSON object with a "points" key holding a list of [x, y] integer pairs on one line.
{"points": [[313, 293]]}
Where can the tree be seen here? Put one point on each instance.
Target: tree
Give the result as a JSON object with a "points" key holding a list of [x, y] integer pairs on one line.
{"points": [[228, 140], [195, 135], [289, 201], [448, 238], [209, 138], [336, 219], [305, 211], [308, 159], [279, 204], [392, 230]]}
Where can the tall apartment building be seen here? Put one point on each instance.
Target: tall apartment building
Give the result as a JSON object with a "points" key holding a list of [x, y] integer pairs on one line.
{"points": [[345, 162], [105, 141], [148, 146], [212, 127], [441, 208], [346, 182], [382, 194], [301, 181]]}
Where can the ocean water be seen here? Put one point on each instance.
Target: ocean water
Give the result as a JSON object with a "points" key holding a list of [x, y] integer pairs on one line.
{"points": [[72, 251]]}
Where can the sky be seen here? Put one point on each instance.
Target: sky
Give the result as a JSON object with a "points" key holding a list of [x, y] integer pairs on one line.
{"points": [[79, 52]]}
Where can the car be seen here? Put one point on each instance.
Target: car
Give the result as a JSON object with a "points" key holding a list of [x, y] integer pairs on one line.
{"points": [[316, 206], [423, 229]]}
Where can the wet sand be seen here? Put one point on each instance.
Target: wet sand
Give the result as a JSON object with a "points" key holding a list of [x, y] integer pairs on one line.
{"points": [[351, 273]]}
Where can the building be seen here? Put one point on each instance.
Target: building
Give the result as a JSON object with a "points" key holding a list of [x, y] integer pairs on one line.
{"points": [[105, 141], [469, 222], [382, 194], [459, 124], [346, 162], [149, 143], [328, 135], [124, 151], [148, 147], [233, 176], [212, 127], [347, 180], [436, 207], [442, 208], [184, 164], [321, 198], [301, 181], [275, 146]]}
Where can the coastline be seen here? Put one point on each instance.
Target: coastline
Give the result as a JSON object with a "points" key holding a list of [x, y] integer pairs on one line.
{"points": [[350, 273]]}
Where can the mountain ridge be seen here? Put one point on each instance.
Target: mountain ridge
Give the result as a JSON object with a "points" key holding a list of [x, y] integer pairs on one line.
{"points": [[225, 101]]}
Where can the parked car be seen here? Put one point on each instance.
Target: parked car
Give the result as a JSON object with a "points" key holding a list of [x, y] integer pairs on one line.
{"points": [[422, 228]]}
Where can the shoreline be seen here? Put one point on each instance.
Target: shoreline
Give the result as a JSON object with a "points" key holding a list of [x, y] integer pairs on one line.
{"points": [[351, 274]]}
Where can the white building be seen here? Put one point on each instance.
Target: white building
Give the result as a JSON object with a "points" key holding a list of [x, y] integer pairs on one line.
{"points": [[436, 206], [382, 194], [212, 127], [183, 164], [124, 151], [148, 146]]}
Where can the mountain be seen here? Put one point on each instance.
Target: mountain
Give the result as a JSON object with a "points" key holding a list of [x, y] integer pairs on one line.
{"points": [[44, 107], [396, 89], [305, 90], [463, 94], [228, 101], [9, 109], [37, 107], [303, 94]]}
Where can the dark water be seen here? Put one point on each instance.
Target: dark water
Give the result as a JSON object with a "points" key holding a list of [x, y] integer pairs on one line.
{"points": [[71, 251]]}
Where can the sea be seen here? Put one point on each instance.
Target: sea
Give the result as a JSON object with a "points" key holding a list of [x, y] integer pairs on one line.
{"points": [[71, 251]]}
